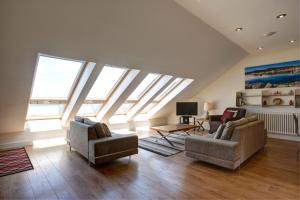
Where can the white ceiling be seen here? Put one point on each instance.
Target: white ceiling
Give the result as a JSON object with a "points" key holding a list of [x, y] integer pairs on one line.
{"points": [[257, 17]]}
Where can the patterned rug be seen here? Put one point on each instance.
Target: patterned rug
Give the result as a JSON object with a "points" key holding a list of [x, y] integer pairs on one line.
{"points": [[14, 161], [158, 145]]}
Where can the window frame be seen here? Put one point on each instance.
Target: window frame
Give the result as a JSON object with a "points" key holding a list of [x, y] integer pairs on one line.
{"points": [[51, 101], [113, 89]]}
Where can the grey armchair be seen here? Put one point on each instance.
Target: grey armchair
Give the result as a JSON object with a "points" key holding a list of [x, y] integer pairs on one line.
{"points": [[83, 139]]}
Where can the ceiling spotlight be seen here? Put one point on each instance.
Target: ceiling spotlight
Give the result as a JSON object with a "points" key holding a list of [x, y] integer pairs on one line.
{"points": [[239, 29], [270, 34], [281, 16], [260, 48], [292, 41]]}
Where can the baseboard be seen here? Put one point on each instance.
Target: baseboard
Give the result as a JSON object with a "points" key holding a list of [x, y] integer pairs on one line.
{"points": [[15, 144], [284, 137]]}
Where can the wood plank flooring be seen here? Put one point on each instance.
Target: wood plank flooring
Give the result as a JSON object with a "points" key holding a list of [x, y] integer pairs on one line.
{"points": [[272, 173]]}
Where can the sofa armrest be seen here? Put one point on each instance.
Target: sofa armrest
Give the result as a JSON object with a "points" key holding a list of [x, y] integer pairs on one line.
{"points": [[222, 149], [79, 136], [114, 144], [215, 117]]}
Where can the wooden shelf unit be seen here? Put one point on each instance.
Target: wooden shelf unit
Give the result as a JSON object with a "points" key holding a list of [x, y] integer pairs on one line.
{"points": [[265, 98]]}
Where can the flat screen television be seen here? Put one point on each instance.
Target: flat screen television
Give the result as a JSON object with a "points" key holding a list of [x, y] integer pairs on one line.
{"points": [[186, 108]]}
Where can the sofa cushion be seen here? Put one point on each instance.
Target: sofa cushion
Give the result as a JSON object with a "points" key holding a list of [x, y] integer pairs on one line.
{"points": [[105, 130], [110, 145], [219, 132], [226, 115], [97, 126], [229, 127]]}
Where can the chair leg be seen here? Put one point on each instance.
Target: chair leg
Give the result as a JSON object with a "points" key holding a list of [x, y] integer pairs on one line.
{"points": [[129, 159], [70, 148]]}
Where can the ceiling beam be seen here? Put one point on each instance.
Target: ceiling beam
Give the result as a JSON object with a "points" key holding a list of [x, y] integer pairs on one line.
{"points": [[121, 94], [86, 82]]}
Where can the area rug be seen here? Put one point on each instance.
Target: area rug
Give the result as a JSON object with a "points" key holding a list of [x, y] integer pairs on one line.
{"points": [[160, 146], [13, 161]]}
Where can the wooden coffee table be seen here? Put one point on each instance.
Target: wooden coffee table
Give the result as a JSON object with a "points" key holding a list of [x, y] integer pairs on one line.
{"points": [[164, 131]]}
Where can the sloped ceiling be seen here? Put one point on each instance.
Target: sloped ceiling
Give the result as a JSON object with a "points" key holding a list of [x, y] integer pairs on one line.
{"points": [[151, 35], [256, 17]]}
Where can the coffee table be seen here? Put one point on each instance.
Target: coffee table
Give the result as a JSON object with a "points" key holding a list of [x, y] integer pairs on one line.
{"points": [[166, 130]]}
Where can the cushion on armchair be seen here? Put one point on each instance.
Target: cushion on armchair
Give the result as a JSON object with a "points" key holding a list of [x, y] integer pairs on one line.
{"points": [[97, 126], [226, 115]]}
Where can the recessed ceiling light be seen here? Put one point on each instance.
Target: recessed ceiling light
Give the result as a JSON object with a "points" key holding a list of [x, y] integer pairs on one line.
{"points": [[239, 29], [292, 41], [281, 16], [260, 48], [270, 34]]}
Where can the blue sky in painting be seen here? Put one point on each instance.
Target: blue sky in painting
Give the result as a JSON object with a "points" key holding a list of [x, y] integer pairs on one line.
{"points": [[262, 67]]}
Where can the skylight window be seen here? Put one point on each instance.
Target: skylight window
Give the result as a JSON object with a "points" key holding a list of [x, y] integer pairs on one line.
{"points": [[121, 115], [108, 78], [54, 77], [169, 88], [170, 96], [148, 108], [38, 111], [142, 88], [124, 108], [89, 109]]}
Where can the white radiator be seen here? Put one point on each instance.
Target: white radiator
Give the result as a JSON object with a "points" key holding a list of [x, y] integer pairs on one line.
{"points": [[279, 123]]}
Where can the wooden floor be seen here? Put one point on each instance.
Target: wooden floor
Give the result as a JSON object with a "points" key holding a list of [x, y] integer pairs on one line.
{"points": [[272, 173]]}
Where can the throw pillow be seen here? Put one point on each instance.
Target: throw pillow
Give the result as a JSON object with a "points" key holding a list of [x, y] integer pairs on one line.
{"points": [[235, 112], [219, 132], [106, 130], [98, 128], [227, 132], [226, 115], [79, 119], [229, 127]]}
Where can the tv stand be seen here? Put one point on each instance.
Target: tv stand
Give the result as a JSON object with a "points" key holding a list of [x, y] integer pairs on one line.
{"points": [[186, 120]]}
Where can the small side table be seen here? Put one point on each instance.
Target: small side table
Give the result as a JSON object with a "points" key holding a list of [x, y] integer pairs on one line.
{"points": [[200, 122]]}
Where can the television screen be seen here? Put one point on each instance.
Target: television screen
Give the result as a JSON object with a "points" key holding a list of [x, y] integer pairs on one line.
{"points": [[187, 108]]}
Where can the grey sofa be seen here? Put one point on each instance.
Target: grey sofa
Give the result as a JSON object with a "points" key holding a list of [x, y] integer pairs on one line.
{"points": [[246, 139], [83, 139]]}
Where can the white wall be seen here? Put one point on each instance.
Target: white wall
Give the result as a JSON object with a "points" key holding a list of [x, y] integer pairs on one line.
{"points": [[223, 90], [151, 35]]}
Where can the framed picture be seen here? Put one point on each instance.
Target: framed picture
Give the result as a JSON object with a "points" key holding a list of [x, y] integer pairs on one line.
{"points": [[277, 75]]}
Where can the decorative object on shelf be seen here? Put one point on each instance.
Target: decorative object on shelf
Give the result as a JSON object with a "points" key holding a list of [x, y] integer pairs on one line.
{"points": [[277, 101], [207, 107], [291, 103], [277, 93], [291, 92], [285, 74], [264, 103]]}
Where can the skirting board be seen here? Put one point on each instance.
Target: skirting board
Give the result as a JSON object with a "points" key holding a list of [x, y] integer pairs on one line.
{"points": [[15, 144], [284, 137]]}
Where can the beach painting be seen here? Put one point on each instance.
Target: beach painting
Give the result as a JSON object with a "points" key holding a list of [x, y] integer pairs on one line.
{"points": [[277, 75]]}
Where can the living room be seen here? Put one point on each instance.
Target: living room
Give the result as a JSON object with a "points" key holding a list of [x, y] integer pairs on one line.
{"points": [[151, 99]]}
